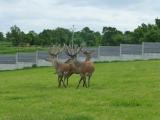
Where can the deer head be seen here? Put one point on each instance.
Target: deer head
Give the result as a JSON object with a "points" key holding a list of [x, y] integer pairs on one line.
{"points": [[88, 54], [54, 53], [69, 52], [72, 55]]}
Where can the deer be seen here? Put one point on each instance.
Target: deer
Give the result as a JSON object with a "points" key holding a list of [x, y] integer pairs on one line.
{"points": [[73, 70], [85, 68], [88, 57], [62, 68]]}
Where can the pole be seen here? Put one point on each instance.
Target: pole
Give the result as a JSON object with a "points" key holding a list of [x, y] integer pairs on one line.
{"points": [[72, 35]]}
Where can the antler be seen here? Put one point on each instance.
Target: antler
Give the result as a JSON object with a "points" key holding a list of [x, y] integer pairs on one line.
{"points": [[72, 55], [91, 51], [85, 52], [51, 52], [66, 51], [60, 51], [75, 48]]}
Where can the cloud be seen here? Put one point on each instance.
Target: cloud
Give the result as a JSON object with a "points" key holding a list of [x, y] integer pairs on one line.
{"points": [[38, 15]]}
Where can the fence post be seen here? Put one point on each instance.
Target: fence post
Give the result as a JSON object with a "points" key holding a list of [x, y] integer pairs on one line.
{"points": [[142, 50], [37, 58], [120, 55], [99, 53], [17, 60]]}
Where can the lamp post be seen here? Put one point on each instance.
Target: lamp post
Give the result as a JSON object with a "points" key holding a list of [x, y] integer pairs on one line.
{"points": [[72, 34]]}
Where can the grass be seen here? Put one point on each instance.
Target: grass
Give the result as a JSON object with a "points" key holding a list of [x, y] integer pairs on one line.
{"points": [[8, 48], [118, 91]]}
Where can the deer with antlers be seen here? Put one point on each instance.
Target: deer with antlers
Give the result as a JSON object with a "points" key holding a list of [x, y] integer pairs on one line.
{"points": [[85, 68], [62, 68], [73, 70]]}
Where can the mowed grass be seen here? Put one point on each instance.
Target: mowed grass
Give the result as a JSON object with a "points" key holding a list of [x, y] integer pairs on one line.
{"points": [[118, 91], [8, 48]]}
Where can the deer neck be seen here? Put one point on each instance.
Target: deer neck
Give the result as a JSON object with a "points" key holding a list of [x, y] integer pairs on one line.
{"points": [[55, 63], [77, 65], [87, 59]]}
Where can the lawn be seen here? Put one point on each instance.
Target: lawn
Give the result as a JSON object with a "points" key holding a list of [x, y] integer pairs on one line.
{"points": [[118, 91], [8, 48]]}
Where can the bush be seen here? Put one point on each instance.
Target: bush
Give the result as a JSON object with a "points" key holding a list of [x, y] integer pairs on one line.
{"points": [[34, 66]]}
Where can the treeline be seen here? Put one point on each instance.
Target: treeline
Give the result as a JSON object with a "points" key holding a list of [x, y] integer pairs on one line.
{"points": [[110, 36]]}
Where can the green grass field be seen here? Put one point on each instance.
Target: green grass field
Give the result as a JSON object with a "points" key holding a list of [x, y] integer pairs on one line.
{"points": [[8, 48], [118, 91]]}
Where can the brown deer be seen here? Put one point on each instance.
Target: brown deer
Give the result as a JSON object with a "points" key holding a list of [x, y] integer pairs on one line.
{"points": [[73, 70], [83, 68], [62, 68], [88, 57]]}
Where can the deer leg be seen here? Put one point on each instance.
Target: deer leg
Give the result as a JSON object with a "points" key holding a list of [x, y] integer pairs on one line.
{"points": [[61, 80], [89, 80], [65, 76], [68, 75], [79, 82], [84, 81]]}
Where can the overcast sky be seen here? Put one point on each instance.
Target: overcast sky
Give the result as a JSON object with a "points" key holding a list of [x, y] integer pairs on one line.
{"points": [[38, 15]]}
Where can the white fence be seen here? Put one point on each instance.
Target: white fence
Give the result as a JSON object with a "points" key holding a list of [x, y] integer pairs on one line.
{"points": [[124, 52]]}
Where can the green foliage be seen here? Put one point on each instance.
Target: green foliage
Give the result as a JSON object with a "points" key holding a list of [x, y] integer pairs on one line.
{"points": [[110, 36], [34, 66], [15, 35], [88, 36], [157, 21], [152, 36], [1, 36], [118, 91]]}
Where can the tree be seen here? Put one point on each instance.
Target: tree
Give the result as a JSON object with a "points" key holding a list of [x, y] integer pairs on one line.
{"points": [[118, 39], [137, 36], [98, 38], [152, 36], [45, 37], [26, 38], [88, 36], [60, 36], [157, 21], [14, 35], [107, 37], [34, 37], [140, 33], [77, 38], [1, 36]]}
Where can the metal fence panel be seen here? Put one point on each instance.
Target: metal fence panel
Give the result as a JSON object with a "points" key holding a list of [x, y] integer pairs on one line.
{"points": [[7, 59], [43, 55], [151, 47], [27, 57], [131, 49], [109, 50]]}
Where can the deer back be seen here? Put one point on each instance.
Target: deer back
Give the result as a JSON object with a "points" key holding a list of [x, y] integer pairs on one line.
{"points": [[88, 67]]}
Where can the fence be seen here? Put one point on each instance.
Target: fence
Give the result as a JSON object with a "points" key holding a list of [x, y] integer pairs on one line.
{"points": [[124, 52]]}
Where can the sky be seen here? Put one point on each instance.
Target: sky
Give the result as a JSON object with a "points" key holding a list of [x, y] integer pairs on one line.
{"points": [[38, 15]]}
